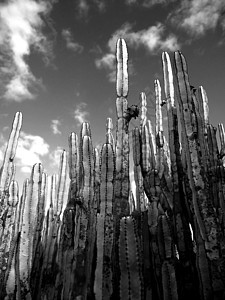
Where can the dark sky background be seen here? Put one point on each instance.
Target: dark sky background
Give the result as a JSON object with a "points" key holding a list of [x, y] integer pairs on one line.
{"points": [[57, 64]]}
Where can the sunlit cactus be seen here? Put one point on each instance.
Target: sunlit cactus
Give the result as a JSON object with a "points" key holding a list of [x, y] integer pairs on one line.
{"points": [[84, 234]]}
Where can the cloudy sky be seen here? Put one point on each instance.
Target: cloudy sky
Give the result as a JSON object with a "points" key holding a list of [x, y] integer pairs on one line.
{"points": [[57, 64]]}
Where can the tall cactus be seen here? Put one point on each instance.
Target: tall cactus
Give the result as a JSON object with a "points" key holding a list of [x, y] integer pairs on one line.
{"points": [[121, 204], [103, 272], [82, 234], [6, 171]]}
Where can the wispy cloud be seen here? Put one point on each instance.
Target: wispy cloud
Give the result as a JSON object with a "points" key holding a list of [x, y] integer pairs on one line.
{"points": [[21, 28], [70, 43], [55, 127], [84, 7], [153, 39], [30, 150], [199, 16], [108, 62], [80, 114]]}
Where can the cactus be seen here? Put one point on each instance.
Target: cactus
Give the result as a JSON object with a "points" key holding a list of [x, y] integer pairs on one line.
{"points": [[103, 272], [82, 234], [121, 204], [6, 171], [131, 281]]}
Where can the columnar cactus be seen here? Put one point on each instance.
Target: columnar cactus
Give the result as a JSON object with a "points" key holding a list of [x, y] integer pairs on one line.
{"points": [[131, 279], [82, 234], [9, 242], [7, 167], [103, 271], [121, 204]]}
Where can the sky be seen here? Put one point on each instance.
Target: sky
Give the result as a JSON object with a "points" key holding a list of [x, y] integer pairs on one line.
{"points": [[57, 65]]}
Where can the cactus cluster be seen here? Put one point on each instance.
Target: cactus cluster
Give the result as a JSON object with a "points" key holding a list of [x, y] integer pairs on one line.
{"points": [[82, 234]]}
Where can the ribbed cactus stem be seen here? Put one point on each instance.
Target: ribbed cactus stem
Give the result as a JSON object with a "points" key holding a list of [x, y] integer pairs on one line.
{"points": [[8, 242], [136, 141], [165, 240], [132, 203], [222, 142], [73, 159], [61, 182], [122, 69], [169, 281], [180, 221], [143, 110], [203, 208], [202, 94], [29, 222], [109, 135], [85, 130], [158, 127], [122, 185], [168, 80], [152, 142], [131, 281], [10, 152], [85, 221], [103, 272], [159, 130]]}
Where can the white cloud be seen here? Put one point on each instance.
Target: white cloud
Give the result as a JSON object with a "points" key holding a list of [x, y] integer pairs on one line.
{"points": [[70, 44], [84, 7], [80, 114], [108, 62], [54, 126], [199, 16], [20, 30], [30, 150], [153, 39]]}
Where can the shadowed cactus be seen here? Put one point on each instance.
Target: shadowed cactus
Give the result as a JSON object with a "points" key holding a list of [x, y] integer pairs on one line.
{"points": [[84, 234]]}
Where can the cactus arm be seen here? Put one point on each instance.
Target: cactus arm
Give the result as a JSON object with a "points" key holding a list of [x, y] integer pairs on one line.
{"points": [[131, 281], [159, 130], [97, 178], [213, 165], [152, 142], [109, 135], [143, 114], [61, 182], [169, 282], [8, 241], [222, 142], [103, 272], [122, 72], [73, 164], [136, 141], [122, 186], [73, 156], [10, 152], [85, 220]]}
